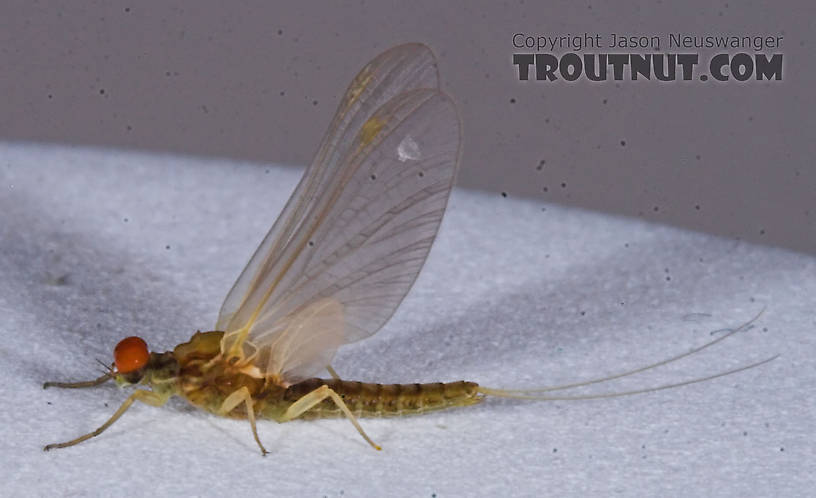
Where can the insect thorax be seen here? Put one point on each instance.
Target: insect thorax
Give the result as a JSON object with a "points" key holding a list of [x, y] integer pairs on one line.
{"points": [[206, 379]]}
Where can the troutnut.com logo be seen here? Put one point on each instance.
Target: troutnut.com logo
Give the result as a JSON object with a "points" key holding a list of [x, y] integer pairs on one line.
{"points": [[672, 57]]}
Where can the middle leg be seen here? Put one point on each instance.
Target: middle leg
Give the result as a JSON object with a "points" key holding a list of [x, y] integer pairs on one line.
{"points": [[236, 398]]}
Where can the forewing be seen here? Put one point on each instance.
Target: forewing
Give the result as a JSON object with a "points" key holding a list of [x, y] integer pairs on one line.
{"points": [[400, 69], [355, 233], [303, 341]]}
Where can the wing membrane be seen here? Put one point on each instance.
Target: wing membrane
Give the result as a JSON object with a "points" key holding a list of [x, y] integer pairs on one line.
{"points": [[359, 228], [402, 68]]}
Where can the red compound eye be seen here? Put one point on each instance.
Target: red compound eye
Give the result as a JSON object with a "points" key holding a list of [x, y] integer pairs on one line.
{"points": [[130, 354]]}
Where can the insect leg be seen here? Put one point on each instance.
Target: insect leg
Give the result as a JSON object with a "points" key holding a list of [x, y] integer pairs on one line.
{"points": [[332, 372], [147, 397], [236, 398], [74, 385], [313, 398]]}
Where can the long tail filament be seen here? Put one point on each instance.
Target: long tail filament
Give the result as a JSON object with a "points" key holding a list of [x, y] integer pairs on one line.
{"points": [[529, 393]]}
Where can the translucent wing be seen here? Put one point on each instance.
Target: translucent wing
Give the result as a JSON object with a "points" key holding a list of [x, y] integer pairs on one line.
{"points": [[353, 237], [400, 69]]}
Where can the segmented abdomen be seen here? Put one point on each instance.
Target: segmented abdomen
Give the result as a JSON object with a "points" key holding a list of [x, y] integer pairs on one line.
{"points": [[385, 400]]}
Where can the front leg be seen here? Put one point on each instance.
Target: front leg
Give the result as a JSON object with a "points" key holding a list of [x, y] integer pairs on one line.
{"points": [[76, 385], [148, 397]]}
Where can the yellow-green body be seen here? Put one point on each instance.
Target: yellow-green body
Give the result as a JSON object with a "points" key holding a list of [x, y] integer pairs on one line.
{"points": [[194, 370]]}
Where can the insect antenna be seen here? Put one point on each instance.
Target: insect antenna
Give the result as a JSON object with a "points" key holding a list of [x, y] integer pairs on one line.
{"points": [[106, 367], [528, 393]]}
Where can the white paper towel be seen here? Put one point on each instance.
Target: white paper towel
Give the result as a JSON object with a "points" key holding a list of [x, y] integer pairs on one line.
{"points": [[96, 245]]}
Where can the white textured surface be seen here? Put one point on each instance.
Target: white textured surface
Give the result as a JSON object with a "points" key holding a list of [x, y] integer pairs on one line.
{"points": [[96, 245]]}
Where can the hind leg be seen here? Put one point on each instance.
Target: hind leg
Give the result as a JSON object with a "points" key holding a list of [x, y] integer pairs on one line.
{"points": [[313, 398], [332, 372]]}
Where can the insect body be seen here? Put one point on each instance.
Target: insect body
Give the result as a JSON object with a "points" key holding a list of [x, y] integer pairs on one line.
{"points": [[332, 270], [196, 371]]}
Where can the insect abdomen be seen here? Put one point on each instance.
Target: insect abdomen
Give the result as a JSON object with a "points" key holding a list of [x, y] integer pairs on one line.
{"points": [[385, 400]]}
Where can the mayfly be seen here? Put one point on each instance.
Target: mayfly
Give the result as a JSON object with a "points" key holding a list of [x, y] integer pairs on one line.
{"points": [[332, 270]]}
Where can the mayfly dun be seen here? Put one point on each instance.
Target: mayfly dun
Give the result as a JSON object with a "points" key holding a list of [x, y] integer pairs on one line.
{"points": [[332, 270]]}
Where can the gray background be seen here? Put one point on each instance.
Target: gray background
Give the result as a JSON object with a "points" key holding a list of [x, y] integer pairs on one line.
{"points": [[260, 81]]}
